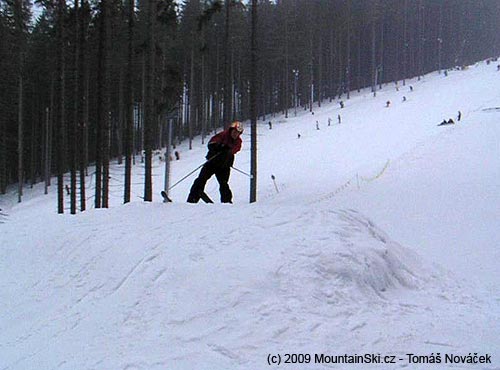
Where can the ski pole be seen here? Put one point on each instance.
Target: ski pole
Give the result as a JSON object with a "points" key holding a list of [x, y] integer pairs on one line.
{"points": [[274, 181], [243, 172], [193, 171]]}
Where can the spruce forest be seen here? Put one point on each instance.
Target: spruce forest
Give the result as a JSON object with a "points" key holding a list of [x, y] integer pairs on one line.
{"points": [[86, 82]]}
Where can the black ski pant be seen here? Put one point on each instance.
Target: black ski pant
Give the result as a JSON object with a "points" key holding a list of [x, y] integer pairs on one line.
{"points": [[207, 171]]}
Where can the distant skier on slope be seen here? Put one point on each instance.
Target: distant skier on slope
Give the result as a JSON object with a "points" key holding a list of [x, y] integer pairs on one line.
{"points": [[221, 150], [449, 122]]}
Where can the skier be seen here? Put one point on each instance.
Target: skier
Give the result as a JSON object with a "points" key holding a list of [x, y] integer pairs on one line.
{"points": [[449, 122], [221, 150]]}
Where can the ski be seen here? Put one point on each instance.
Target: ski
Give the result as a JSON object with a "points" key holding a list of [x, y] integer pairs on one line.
{"points": [[166, 198], [204, 197]]}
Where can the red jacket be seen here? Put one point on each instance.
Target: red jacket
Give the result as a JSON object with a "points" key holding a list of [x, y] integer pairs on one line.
{"points": [[225, 138]]}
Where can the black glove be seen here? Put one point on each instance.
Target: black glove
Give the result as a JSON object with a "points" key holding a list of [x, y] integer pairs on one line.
{"points": [[214, 149], [218, 147]]}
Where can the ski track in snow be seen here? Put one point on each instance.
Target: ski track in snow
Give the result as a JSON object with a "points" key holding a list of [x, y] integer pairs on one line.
{"points": [[305, 270]]}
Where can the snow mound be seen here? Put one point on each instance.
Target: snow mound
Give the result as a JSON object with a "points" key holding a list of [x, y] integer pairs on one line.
{"points": [[351, 261]]}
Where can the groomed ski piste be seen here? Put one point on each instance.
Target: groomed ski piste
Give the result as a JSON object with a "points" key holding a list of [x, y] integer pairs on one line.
{"points": [[380, 237]]}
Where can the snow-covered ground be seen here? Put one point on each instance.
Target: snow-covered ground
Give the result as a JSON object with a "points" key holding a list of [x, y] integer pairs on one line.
{"points": [[383, 239]]}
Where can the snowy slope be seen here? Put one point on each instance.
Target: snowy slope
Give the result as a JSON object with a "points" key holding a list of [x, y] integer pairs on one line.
{"points": [[383, 239]]}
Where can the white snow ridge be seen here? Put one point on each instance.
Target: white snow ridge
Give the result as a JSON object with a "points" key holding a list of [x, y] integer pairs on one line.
{"points": [[349, 260]]}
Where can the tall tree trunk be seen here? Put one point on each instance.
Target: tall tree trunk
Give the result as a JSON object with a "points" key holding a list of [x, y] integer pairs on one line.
{"points": [[47, 150], [440, 37], [20, 148], [82, 98], [405, 42], [74, 123], [129, 101], [102, 112], [226, 115], [149, 112], [232, 86], [287, 64], [192, 100], [53, 123], [61, 150], [331, 76], [3, 128], [359, 83], [142, 106], [253, 105], [34, 138], [204, 113], [311, 63], [381, 55], [320, 70], [421, 38], [374, 62], [3, 156], [120, 125], [106, 105], [348, 59], [217, 94], [340, 68], [18, 19]]}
